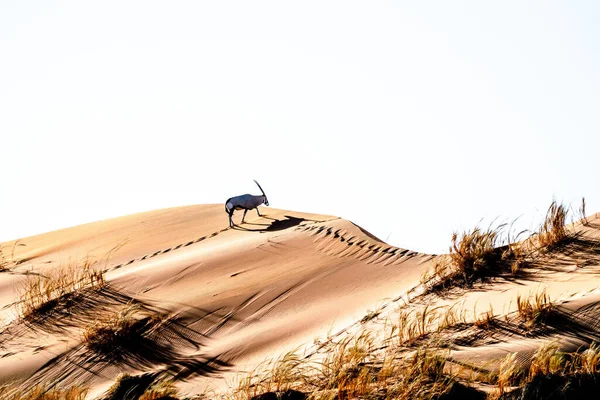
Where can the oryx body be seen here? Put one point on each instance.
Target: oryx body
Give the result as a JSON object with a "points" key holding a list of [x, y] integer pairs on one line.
{"points": [[245, 202]]}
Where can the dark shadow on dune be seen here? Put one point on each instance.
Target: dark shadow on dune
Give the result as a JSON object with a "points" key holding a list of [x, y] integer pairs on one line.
{"points": [[575, 246], [585, 251], [154, 342], [454, 288], [130, 387], [79, 308], [175, 345], [85, 306], [558, 387], [580, 325], [74, 309], [276, 225]]}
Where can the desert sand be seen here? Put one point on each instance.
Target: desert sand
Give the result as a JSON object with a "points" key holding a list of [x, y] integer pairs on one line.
{"points": [[230, 298]]}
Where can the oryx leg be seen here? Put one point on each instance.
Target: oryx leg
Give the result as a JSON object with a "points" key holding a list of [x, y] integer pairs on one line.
{"points": [[245, 211], [258, 212]]}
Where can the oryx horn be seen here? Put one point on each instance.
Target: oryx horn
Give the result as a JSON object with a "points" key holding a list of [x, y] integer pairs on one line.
{"points": [[261, 189]]}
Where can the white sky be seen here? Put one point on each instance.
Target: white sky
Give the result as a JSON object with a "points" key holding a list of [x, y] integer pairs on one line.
{"points": [[411, 119]]}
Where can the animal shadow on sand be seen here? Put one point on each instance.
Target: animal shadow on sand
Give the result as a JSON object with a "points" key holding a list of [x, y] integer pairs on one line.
{"points": [[274, 226]]}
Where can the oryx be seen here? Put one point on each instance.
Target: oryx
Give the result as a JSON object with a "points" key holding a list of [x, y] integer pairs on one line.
{"points": [[245, 202]]}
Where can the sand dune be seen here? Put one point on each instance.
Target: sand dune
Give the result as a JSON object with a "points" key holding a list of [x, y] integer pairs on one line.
{"points": [[230, 298], [235, 295]]}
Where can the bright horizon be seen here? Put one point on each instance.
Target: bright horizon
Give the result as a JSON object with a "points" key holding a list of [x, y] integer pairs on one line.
{"points": [[410, 120]]}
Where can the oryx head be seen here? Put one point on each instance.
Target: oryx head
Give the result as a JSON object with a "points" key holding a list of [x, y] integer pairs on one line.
{"points": [[263, 192]]}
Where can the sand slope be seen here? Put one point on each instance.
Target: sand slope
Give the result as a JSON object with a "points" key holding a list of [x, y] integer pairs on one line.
{"points": [[230, 296]]}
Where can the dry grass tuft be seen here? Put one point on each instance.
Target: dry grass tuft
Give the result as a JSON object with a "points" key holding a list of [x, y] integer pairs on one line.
{"points": [[40, 294], [8, 260], [420, 376], [534, 309], [551, 372], [510, 373], [474, 254], [121, 330], [289, 372], [517, 253], [347, 368], [141, 387], [412, 326], [588, 361], [553, 230], [547, 360], [452, 315], [484, 320]]}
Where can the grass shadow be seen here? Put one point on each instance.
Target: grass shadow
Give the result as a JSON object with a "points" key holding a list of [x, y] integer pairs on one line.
{"points": [[154, 343]]}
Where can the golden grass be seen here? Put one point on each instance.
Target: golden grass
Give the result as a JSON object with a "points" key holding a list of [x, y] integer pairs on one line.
{"points": [[510, 373], [553, 229], [356, 367], [353, 369], [163, 390], [8, 392], [41, 293], [8, 260], [451, 316], [484, 320], [473, 255], [141, 387], [473, 252], [549, 361], [346, 367], [420, 376], [534, 309], [480, 253], [290, 371], [412, 326]]}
